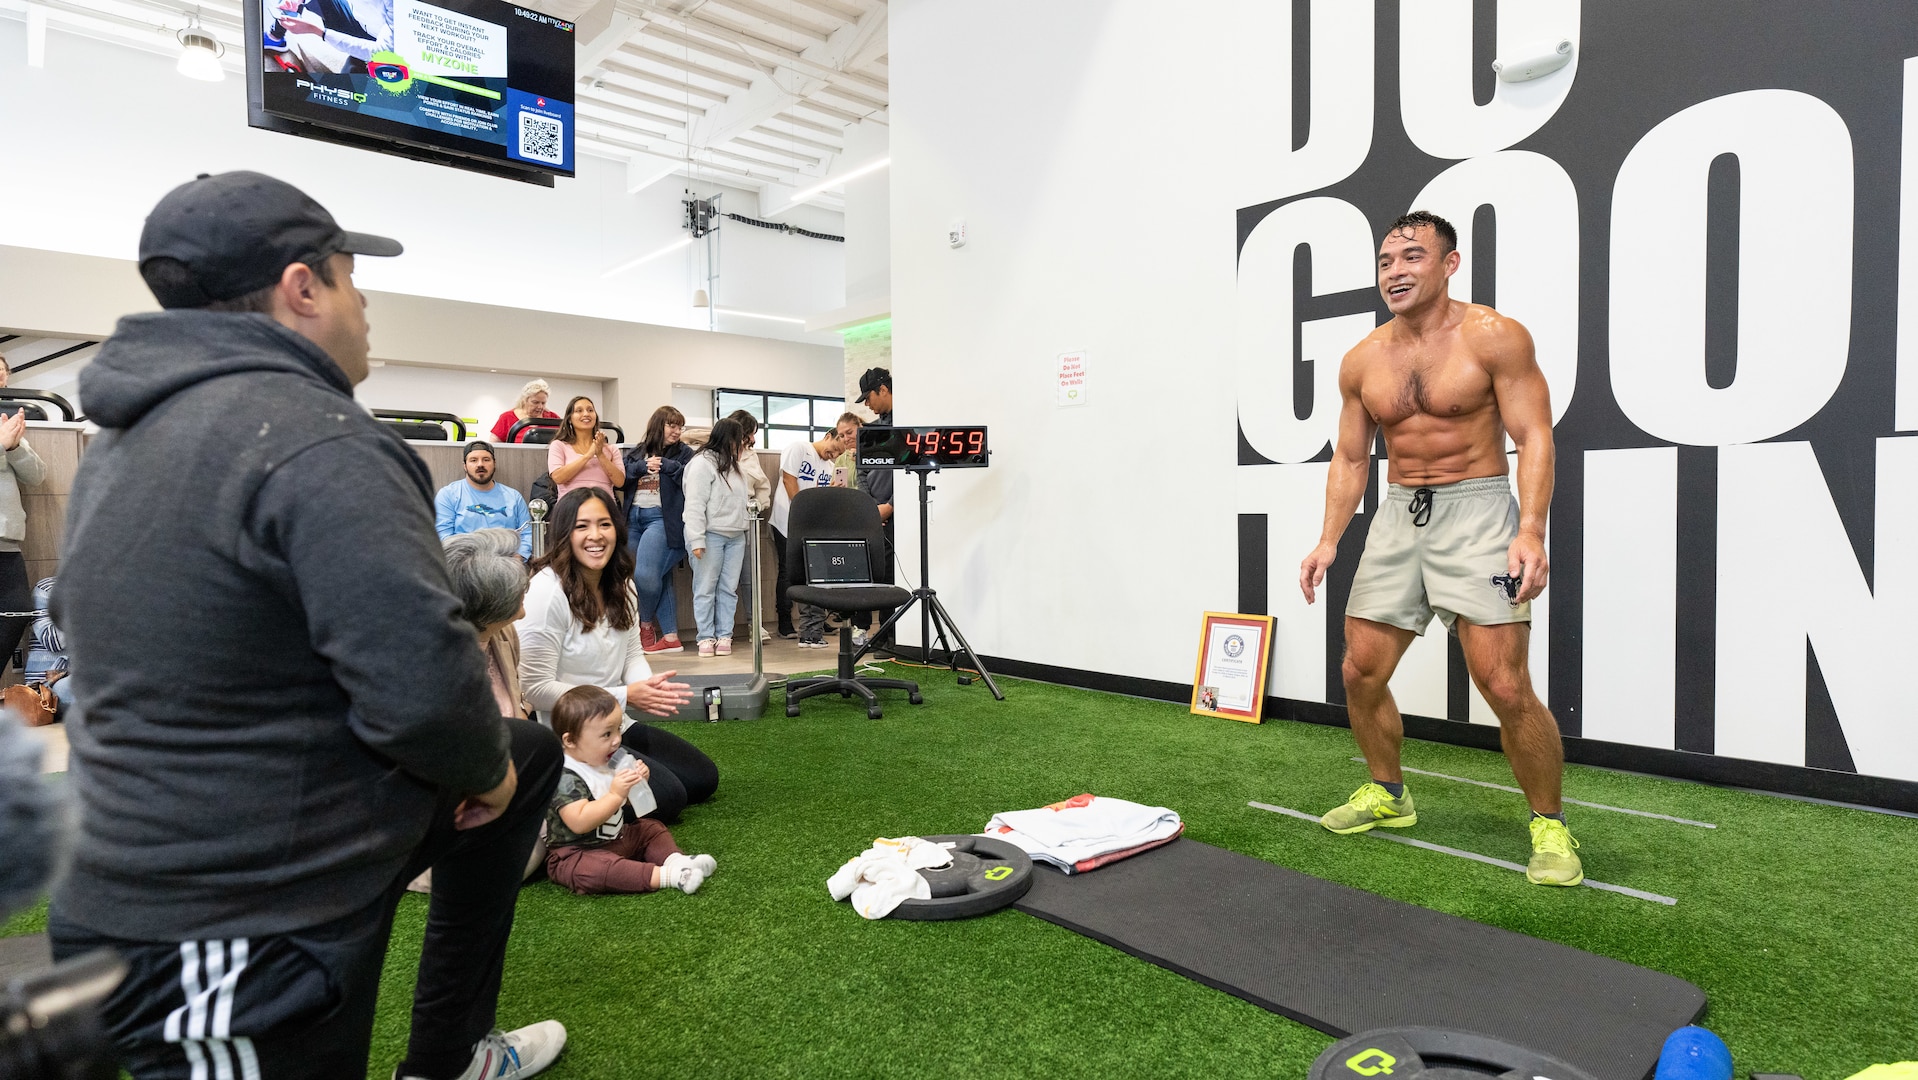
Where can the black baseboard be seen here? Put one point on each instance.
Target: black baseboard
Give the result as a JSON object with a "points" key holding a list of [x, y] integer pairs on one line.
{"points": [[1827, 784]]}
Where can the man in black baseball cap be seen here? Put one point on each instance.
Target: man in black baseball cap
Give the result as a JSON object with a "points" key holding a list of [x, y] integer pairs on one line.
{"points": [[875, 393], [290, 720]]}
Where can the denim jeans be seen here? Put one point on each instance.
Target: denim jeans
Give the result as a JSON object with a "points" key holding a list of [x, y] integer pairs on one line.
{"points": [[716, 584], [653, 562]]}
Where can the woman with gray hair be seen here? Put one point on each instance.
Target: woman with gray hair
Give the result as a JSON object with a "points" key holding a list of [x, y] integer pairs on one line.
{"points": [[531, 403], [490, 582]]}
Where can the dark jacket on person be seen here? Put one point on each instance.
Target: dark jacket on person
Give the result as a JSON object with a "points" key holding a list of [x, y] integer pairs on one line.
{"points": [[277, 691], [878, 482], [672, 487]]}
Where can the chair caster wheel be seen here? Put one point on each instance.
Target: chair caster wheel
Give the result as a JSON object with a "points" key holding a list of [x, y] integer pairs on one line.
{"points": [[916, 699], [874, 713], [792, 708]]}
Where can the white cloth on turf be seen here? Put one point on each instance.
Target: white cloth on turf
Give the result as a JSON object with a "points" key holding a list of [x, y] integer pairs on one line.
{"points": [[1083, 827], [886, 875]]}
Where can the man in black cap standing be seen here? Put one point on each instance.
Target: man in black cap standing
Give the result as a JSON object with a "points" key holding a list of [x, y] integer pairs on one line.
{"points": [[875, 393], [283, 718]]}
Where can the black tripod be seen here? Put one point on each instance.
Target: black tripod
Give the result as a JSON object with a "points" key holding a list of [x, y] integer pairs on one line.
{"points": [[932, 614]]}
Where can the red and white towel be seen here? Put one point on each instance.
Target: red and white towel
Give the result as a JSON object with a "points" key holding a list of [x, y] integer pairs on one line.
{"points": [[1086, 832]]}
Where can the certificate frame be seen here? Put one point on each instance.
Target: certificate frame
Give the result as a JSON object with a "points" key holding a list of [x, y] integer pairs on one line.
{"points": [[1216, 687]]}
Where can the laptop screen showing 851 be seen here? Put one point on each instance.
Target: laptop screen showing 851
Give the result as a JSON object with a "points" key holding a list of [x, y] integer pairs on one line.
{"points": [[837, 564]]}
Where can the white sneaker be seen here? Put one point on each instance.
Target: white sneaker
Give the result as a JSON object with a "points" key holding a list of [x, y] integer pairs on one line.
{"points": [[765, 635], [858, 639], [510, 1055]]}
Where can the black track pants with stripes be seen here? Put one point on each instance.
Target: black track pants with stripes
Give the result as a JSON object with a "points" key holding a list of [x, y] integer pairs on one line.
{"points": [[300, 1005]]}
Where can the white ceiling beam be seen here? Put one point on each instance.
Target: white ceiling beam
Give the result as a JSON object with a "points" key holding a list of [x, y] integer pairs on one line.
{"points": [[624, 118], [725, 53], [627, 110], [791, 138], [591, 87], [588, 55], [843, 12], [619, 63], [775, 150], [820, 61], [639, 52], [778, 18], [829, 110], [864, 100], [809, 125]]}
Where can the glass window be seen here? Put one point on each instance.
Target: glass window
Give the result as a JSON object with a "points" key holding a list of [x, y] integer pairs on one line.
{"points": [[789, 411], [781, 438], [730, 401]]}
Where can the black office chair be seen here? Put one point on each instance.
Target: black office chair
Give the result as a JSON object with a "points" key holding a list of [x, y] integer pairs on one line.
{"points": [[831, 513]]}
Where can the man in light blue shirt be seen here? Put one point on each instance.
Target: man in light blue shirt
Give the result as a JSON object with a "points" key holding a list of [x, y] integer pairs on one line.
{"points": [[476, 502]]}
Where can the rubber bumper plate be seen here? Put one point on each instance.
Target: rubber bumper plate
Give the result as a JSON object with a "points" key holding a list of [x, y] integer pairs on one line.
{"points": [[1425, 1053], [986, 874]]}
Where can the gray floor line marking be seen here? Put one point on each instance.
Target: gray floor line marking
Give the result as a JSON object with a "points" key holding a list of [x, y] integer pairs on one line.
{"points": [[1574, 802], [1472, 855]]}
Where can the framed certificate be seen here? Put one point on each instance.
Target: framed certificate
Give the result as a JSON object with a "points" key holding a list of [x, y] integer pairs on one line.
{"points": [[1230, 680]]}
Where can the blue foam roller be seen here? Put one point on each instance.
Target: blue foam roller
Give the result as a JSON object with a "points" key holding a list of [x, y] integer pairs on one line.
{"points": [[1692, 1053]]}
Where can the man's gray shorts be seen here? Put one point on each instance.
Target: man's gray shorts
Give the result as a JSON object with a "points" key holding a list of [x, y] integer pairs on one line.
{"points": [[1440, 549]]}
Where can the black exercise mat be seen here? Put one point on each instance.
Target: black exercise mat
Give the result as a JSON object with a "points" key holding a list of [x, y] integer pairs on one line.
{"points": [[1344, 961]]}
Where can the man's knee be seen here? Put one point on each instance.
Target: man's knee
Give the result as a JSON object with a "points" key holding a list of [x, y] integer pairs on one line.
{"points": [[1362, 673], [1508, 689], [536, 756]]}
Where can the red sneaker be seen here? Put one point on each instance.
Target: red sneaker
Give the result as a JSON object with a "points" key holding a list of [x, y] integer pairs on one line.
{"points": [[647, 635], [667, 644]]}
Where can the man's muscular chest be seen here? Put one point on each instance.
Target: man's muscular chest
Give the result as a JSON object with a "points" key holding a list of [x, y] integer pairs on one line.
{"points": [[1400, 384]]}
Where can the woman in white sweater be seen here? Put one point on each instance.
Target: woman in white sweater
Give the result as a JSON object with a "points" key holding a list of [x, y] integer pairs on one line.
{"points": [[717, 495], [582, 627]]}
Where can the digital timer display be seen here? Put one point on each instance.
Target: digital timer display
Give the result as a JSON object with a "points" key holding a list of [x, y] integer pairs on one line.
{"points": [[910, 447]]}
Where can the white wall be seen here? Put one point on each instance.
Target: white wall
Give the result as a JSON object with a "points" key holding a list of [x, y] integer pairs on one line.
{"points": [[637, 364], [476, 395], [90, 158], [1100, 533]]}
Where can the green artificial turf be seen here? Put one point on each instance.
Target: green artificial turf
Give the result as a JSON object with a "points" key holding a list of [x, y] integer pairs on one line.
{"points": [[1792, 917]]}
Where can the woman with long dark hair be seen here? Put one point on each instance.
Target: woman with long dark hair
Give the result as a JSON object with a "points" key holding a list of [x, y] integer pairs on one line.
{"points": [[656, 500], [580, 454], [582, 628], [717, 497]]}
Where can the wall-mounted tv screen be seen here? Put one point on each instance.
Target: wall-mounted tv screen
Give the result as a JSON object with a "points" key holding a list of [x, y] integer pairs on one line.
{"points": [[476, 84]]}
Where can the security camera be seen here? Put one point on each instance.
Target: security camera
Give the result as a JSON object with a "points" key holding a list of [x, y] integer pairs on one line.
{"points": [[1534, 62]]}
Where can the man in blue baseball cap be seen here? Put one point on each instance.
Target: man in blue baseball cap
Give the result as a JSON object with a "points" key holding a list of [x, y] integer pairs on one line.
{"points": [[282, 718]]}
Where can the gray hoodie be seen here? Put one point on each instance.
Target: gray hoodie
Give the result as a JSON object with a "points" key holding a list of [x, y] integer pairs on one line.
{"points": [[275, 687]]}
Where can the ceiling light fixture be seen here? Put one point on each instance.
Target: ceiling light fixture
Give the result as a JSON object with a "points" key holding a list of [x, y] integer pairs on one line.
{"points": [[667, 250], [806, 193], [758, 315], [200, 53]]}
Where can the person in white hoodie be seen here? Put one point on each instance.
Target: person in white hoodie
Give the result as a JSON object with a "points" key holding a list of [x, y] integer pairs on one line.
{"points": [[717, 496]]}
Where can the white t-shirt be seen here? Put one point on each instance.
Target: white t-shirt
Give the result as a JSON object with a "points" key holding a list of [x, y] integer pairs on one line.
{"points": [[802, 461], [555, 654]]}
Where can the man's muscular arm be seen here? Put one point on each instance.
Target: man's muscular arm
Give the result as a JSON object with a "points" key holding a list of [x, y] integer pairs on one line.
{"points": [[1525, 408], [1345, 480]]}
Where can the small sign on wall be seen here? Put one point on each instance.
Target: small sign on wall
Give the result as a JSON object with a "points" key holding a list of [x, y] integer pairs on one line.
{"points": [[1072, 378]]}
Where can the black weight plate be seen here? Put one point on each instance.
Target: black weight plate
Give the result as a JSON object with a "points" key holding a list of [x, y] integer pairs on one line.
{"points": [[986, 875], [1424, 1053]]}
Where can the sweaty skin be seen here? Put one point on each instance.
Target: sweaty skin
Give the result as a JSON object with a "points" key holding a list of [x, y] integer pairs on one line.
{"points": [[1445, 381]]}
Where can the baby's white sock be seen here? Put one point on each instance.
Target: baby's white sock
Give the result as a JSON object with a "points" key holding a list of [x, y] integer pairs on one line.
{"points": [[682, 873], [706, 864]]}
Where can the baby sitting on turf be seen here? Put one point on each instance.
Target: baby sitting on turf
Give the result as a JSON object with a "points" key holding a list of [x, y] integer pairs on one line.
{"points": [[598, 837]]}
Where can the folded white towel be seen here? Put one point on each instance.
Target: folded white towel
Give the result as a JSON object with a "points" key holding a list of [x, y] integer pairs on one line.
{"points": [[886, 875]]}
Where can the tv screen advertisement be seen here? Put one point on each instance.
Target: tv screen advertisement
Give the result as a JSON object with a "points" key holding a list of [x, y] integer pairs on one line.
{"points": [[476, 84]]}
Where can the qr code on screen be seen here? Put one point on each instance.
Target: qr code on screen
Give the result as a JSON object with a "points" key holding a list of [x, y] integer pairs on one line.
{"points": [[539, 139]]}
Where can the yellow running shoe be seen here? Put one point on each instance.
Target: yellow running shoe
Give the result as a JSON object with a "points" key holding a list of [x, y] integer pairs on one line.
{"points": [[1554, 861], [1371, 805]]}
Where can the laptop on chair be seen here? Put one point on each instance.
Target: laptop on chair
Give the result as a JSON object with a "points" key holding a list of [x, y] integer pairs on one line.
{"points": [[838, 564]]}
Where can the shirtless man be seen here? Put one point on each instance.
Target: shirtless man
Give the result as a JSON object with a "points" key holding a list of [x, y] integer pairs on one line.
{"points": [[1447, 381]]}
